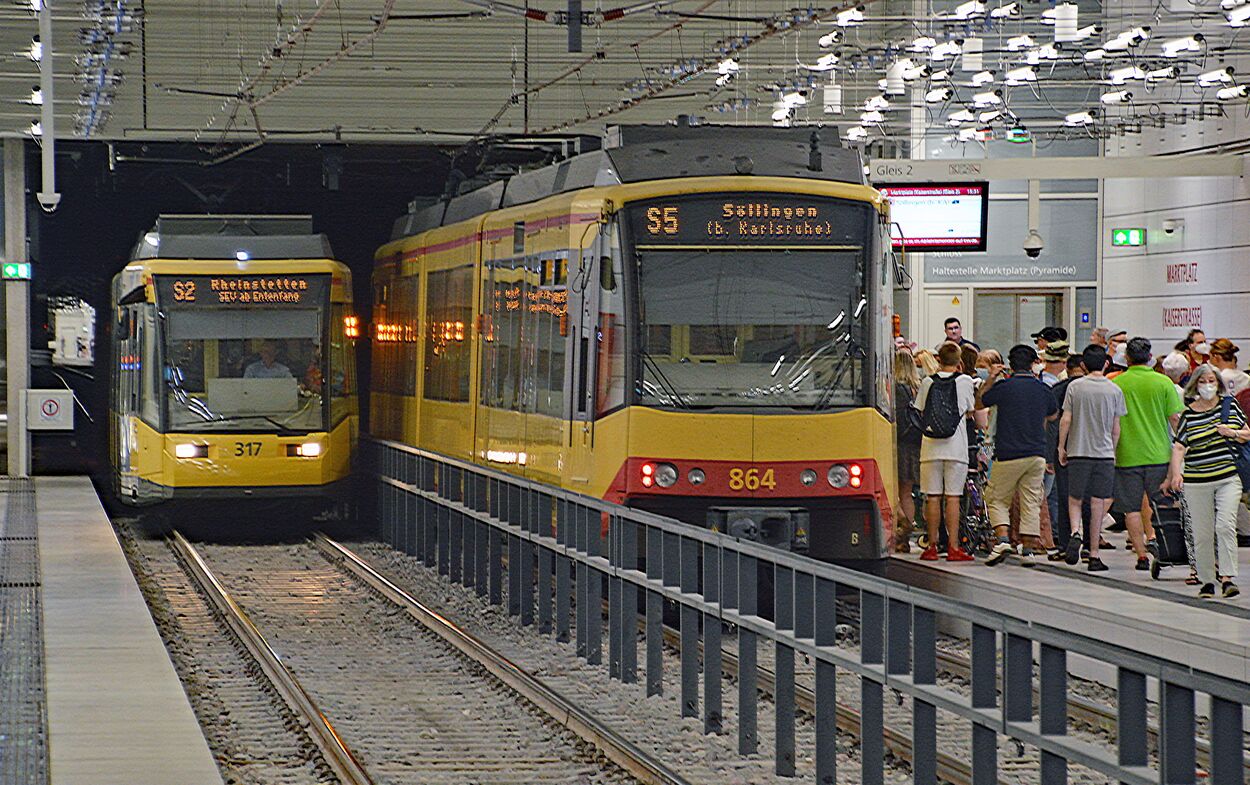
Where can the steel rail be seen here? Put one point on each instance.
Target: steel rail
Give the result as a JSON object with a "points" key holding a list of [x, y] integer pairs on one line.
{"points": [[335, 751], [615, 747]]}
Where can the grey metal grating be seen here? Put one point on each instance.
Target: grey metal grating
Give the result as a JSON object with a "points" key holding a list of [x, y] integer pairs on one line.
{"points": [[23, 709]]}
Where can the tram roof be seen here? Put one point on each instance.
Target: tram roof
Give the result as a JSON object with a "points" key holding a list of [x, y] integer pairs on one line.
{"points": [[636, 153], [224, 236]]}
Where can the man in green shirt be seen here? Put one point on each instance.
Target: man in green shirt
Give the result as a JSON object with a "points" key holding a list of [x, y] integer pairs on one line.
{"points": [[1145, 446]]}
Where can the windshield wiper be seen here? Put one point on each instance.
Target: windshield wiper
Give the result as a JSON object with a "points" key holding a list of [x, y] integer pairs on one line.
{"points": [[669, 387], [283, 430]]}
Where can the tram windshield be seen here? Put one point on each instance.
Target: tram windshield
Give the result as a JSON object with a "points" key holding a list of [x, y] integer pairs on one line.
{"points": [[229, 369], [752, 327]]}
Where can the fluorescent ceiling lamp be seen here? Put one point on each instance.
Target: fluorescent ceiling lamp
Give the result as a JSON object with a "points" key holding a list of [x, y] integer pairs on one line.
{"points": [[1161, 74], [825, 62], [1095, 54], [1218, 76], [1078, 119], [1116, 97], [961, 117], [944, 50], [727, 66], [829, 39], [983, 78], [989, 98], [921, 44], [1230, 93], [1178, 46], [942, 75], [35, 129], [1004, 11], [1020, 43], [967, 134], [36, 96], [850, 17], [969, 10], [938, 95], [1238, 16], [35, 52], [877, 103], [989, 117], [856, 133], [1087, 32], [1019, 76], [1122, 75], [871, 118]]}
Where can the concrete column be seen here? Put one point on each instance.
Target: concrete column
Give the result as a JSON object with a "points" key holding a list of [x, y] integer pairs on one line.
{"points": [[17, 307]]}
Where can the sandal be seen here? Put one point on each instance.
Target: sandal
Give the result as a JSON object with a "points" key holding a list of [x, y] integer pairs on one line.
{"points": [[1192, 580]]}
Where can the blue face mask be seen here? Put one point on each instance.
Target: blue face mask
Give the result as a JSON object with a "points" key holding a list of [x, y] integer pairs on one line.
{"points": [[983, 373]]}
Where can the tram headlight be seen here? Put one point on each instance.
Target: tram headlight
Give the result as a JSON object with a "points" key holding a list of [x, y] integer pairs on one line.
{"points": [[665, 475], [807, 477], [838, 476], [306, 450], [190, 451]]}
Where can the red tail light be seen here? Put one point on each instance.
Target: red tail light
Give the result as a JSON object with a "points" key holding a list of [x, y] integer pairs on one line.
{"points": [[857, 475], [648, 475]]}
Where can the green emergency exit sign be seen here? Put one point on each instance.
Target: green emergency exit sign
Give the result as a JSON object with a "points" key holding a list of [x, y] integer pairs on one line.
{"points": [[1128, 237], [16, 271]]}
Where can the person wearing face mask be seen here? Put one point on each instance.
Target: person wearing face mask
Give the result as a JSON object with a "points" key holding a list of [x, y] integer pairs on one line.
{"points": [[1202, 468], [1054, 366], [1195, 348]]}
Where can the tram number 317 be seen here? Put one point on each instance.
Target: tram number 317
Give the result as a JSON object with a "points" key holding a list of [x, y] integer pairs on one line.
{"points": [[751, 479], [247, 449]]}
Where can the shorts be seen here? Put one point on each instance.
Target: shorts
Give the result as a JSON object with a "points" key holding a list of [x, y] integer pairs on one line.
{"points": [[943, 478], [1091, 478], [1131, 482]]}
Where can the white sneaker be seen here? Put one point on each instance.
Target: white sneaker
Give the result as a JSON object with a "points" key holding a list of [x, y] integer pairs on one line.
{"points": [[999, 552]]}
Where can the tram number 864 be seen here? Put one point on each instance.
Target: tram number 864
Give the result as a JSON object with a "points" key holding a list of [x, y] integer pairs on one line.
{"points": [[751, 479]]}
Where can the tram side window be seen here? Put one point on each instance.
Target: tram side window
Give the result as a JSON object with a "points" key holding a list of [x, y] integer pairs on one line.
{"points": [[407, 312], [501, 355], [548, 312], [149, 369], [448, 316]]}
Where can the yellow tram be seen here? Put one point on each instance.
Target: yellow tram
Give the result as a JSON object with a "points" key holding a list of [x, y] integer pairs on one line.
{"points": [[233, 365], [693, 321]]}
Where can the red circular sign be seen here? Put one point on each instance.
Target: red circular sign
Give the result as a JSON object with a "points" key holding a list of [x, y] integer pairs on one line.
{"points": [[50, 407]]}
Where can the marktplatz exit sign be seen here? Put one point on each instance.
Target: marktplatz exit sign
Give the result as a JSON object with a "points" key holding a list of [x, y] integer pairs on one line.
{"points": [[16, 271], [1128, 237]]}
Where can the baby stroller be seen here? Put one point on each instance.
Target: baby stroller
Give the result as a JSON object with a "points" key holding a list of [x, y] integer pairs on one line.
{"points": [[1172, 534]]}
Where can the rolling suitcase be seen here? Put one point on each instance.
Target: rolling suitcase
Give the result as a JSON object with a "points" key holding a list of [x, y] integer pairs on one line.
{"points": [[1171, 529]]}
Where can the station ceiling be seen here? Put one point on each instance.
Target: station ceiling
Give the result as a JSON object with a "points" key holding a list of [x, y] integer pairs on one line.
{"points": [[230, 74]]}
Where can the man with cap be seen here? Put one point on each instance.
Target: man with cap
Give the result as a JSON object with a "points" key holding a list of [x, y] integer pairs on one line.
{"points": [[1054, 362], [1043, 337]]}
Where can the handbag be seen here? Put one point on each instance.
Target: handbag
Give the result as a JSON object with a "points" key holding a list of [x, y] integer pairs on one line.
{"points": [[1240, 450]]}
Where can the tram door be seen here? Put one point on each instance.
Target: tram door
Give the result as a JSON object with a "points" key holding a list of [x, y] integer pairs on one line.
{"points": [[583, 315], [1004, 319]]}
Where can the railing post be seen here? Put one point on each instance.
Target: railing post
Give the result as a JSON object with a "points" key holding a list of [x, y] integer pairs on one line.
{"points": [[582, 581], [468, 550], [594, 588], [984, 696], [616, 614], [898, 637], [481, 549], [629, 601], [1017, 678], [872, 709], [689, 584], [826, 685], [713, 717], [1176, 734], [525, 582], [1131, 716], [924, 713], [1053, 710], [747, 579], [564, 571], [443, 537], [655, 613], [494, 545], [1227, 740], [783, 688], [455, 544], [514, 574]]}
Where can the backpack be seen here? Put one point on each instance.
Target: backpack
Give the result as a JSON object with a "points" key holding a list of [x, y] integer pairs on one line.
{"points": [[941, 416], [907, 418], [1240, 451]]}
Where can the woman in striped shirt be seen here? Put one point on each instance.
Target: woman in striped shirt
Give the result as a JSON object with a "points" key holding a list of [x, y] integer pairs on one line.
{"points": [[1203, 468]]}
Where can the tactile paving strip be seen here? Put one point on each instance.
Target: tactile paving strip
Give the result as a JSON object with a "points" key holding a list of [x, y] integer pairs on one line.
{"points": [[23, 710]]}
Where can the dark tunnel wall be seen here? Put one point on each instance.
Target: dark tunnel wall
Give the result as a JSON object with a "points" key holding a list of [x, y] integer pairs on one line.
{"points": [[109, 198]]}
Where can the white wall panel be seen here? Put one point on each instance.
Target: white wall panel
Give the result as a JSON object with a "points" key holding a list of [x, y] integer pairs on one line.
{"points": [[1165, 319], [1183, 273]]}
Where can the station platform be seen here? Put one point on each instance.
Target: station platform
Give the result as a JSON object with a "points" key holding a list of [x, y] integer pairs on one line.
{"points": [[89, 692], [1123, 606]]}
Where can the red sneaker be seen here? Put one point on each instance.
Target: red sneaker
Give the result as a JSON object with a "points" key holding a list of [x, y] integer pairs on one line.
{"points": [[958, 554], [930, 554]]}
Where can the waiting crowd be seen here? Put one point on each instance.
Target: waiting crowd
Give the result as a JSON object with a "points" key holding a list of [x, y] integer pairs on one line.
{"points": [[1067, 438]]}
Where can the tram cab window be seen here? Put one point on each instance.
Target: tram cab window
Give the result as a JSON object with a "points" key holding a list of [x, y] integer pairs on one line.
{"points": [[752, 327], [244, 369]]}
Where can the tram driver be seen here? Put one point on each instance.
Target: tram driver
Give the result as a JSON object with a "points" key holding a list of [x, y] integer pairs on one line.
{"points": [[267, 367]]}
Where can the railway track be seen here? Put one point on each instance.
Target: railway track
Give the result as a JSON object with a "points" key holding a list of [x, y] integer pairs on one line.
{"points": [[562, 720]]}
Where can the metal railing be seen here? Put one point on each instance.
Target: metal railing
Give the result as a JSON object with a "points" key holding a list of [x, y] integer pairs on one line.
{"points": [[460, 519]]}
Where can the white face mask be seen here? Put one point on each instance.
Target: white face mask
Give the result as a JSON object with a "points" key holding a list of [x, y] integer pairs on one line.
{"points": [[1038, 368], [1202, 348], [1207, 391], [1120, 358]]}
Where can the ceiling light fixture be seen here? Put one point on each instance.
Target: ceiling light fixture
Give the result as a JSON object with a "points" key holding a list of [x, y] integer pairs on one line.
{"points": [[1161, 74], [36, 96], [1230, 93], [921, 43], [1005, 11], [961, 117], [831, 38], [876, 103], [946, 49], [1078, 119], [983, 78], [1120, 76], [1019, 76], [856, 134], [1218, 76], [871, 118], [1178, 46], [988, 98], [968, 10], [35, 52], [851, 17], [1116, 97], [1238, 16], [1020, 43], [938, 95]]}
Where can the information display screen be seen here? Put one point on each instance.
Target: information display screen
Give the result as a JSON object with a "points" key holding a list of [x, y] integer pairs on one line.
{"points": [[760, 219], [254, 291], [939, 217]]}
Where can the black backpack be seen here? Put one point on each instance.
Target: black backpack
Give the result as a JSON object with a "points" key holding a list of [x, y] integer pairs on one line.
{"points": [[941, 416]]}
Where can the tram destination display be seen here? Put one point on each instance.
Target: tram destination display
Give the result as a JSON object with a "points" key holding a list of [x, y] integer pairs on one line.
{"points": [[248, 291], [710, 220], [939, 217]]}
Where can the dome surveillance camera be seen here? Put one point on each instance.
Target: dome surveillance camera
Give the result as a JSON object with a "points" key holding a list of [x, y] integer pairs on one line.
{"points": [[1033, 244], [1172, 224]]}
